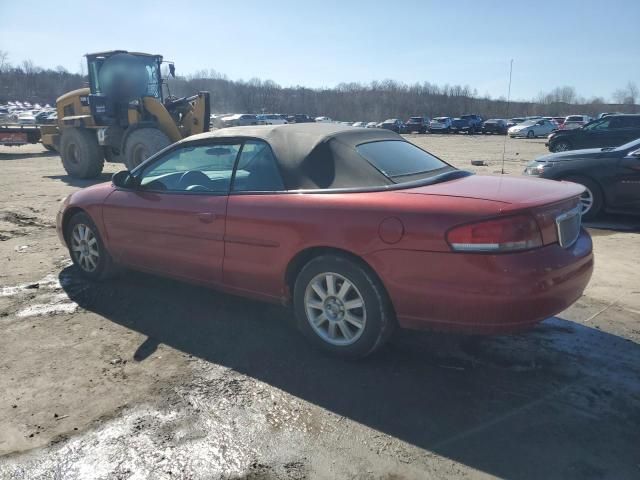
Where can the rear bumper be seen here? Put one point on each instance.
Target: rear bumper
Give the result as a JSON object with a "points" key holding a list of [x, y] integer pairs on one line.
{"points": [[483, 294]]}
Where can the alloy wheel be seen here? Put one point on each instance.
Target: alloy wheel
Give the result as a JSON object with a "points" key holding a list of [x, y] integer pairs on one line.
{"points": [[586, 200], [84, 246], [335, 309]]}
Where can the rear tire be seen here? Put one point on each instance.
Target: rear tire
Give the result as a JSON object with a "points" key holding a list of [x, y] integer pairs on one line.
{"points": [[530, 134], [80, 153], [592, 200], [329, 322], [143, 143]]}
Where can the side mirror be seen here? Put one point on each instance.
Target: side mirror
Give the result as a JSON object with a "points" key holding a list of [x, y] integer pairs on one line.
{"points": [[124, 179], [172, 70]]}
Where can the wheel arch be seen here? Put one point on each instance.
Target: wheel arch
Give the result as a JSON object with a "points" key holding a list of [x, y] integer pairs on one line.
{"points": [[297, 263], [66, 218], [574, 173]]}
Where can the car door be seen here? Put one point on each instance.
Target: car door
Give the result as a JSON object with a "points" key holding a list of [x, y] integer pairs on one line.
{"points": [[173, 222], [627, 183], [258, 237]]}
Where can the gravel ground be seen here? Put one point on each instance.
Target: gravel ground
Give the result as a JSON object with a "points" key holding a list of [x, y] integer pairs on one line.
{"points": [[149, 378]]}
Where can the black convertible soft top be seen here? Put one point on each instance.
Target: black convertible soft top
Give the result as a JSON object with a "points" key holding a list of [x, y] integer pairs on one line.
{"points": [[315, 155]]}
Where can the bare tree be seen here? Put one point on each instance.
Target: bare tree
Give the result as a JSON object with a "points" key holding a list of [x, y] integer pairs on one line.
{"points": [[627, 95]]}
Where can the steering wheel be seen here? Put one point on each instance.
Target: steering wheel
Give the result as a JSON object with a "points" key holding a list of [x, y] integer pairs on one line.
{"points": [[193, 178]]}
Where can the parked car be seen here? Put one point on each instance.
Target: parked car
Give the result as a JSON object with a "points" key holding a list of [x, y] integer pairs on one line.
{"points": [[26, 118], [240, 120], [360, 124], [300, 118], [609, 131], [414, 242], [372, 125], [495, 125], [610, 175], [417, 124], [5, 115], [467, 124], [440, 125], [51, 118], [393, 124], [575, 121], [532, 129], [515, 121], [272, 119], [323, 120], [41, 116]]}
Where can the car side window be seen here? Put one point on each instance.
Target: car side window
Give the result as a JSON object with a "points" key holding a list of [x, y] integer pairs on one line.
{"points": [[193, 169], [257, 169]]}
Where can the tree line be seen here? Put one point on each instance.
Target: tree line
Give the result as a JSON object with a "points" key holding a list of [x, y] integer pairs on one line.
{"points": [[374, 101]]}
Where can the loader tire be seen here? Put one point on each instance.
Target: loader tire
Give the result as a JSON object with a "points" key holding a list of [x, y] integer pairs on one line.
{"points": [[81, 155], [143, 143]]}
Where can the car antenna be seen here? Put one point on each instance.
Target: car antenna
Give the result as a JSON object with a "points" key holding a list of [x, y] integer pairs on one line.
{"points": [[504, 146]]}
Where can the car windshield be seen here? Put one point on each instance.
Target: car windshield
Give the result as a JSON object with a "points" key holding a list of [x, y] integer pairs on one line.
{"points": [[574, 119], [440, 119], [415, 119], [397, 159], [528, 122]]}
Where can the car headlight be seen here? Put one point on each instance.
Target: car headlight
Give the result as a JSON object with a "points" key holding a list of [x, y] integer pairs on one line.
{"points": [[537, 169]]}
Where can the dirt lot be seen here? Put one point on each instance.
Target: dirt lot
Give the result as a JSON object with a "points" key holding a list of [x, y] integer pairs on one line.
{"points": [[150, 378]]}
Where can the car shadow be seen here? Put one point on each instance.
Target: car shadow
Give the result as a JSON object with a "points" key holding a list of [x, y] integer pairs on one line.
{"points": [[613, 223], [81, 182], [551, 403], [23, 155]]}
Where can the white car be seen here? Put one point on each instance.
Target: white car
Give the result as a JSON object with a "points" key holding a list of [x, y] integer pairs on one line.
{"points": [[575, 121], [323, 120], [440, 125], [372, 125], [26, 118], [359, 124], [532, 129], [272, 119]]}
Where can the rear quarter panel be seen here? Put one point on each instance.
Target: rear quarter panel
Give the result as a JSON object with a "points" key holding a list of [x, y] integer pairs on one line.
{"points": [[265, 232]]}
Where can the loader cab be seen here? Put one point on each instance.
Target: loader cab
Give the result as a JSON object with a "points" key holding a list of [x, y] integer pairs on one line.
{"points": [[144, 67], [118, 78]]}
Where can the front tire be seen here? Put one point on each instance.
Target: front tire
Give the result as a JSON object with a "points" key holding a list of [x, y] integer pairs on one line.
{"points": [[80, 153], [143, 143], [592, 199], [342, 307], [530, 134], [87, 249]]}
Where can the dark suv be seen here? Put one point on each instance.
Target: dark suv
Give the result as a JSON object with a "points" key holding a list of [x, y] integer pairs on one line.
{"points": [[610, 131], [300, 118], [417, 124], [467, 123]]}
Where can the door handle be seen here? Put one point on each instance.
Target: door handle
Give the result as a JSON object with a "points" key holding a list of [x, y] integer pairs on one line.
{"points": [[206, 217]]}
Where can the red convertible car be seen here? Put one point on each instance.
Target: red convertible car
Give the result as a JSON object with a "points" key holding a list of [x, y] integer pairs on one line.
{"points": [[360, 230]]}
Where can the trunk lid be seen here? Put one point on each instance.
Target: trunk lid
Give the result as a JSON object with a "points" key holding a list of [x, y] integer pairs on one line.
{"points": [[511, 192]]}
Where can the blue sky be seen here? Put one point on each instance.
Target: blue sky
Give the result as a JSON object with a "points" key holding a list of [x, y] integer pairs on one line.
{"points": [[591, 45]]}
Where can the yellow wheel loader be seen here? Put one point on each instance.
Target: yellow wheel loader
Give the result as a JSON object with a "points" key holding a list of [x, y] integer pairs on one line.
{"points": [[123, 116]]}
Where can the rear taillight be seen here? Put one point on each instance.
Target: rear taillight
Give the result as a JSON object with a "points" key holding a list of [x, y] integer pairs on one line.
{"points": [[519, 232]]}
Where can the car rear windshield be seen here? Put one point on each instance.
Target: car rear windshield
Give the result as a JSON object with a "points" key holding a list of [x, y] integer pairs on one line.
{"points": [[416, 119], [398, 159], [574, 118]]}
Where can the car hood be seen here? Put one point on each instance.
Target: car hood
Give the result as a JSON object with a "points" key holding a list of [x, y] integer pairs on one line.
{"points": [[517, 191], [571, 155]]}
